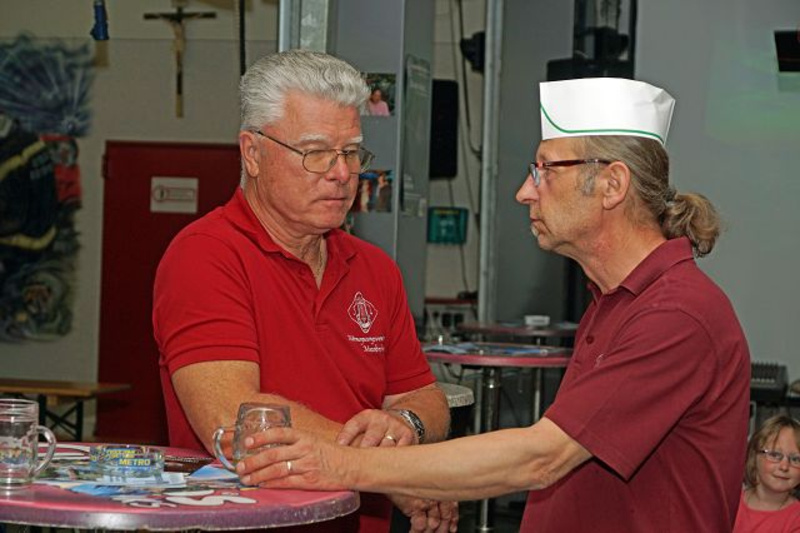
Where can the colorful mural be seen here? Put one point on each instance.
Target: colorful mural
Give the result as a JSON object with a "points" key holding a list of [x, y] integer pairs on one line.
{"points": [[44, 106]]}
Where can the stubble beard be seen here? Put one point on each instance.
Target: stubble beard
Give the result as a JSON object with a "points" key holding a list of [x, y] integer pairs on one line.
{"points": [[547, 246]]}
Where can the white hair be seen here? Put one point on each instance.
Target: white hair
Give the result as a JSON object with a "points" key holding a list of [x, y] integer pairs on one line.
{"points": [[266, 83]]}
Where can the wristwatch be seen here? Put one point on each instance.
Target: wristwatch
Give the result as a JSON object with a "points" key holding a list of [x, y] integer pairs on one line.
{"points": [[411, 418]]}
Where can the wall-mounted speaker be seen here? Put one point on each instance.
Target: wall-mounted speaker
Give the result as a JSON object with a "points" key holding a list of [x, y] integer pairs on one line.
{"points": [[444, 130], [787, 45]]}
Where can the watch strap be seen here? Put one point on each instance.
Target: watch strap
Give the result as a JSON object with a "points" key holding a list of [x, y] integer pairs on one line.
{"points": [[413, 420]]}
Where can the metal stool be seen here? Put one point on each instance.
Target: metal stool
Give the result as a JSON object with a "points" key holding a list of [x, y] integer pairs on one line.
{"points": [[460, 400]]}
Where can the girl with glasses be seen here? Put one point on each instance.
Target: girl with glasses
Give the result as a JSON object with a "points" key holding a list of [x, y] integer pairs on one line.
{"points": [[772, 474]]}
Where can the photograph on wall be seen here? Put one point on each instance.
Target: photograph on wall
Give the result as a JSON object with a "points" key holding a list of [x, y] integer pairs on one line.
{"points": [[374, 192], [381, 96]]}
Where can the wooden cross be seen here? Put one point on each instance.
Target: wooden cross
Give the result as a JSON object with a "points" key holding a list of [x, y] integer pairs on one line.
{"points": [[176, 21]]}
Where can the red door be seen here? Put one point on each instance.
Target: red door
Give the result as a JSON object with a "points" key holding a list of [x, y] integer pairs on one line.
{"points": [[152, 190]]}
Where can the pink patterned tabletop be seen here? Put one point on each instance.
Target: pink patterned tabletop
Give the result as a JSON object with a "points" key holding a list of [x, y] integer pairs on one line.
{"points": [[203, 504]]}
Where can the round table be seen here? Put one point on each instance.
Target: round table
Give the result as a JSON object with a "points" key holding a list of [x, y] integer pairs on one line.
{"points": [[491, 358], [202, 504]]}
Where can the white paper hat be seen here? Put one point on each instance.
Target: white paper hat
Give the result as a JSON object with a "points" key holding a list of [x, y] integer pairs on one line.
{"points": [[604, 106]]}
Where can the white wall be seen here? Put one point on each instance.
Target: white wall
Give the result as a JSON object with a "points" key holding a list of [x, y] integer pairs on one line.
{"points": [[735, 138]]}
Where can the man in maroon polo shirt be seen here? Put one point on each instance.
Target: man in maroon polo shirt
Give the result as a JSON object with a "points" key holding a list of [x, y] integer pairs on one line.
{"points": [[648, 430], [266, 300]]}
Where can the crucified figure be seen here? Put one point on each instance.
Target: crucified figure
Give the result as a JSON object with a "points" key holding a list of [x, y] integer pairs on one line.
{"points": [[176, 21]]}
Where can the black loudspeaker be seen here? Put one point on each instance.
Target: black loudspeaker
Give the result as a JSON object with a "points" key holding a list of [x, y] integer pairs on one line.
{"points": [[577, 67], [787, 44], [444, 130]]}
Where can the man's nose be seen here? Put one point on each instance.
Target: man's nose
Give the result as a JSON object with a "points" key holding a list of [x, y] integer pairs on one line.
{"points": [[340, 170], [527, 191]]}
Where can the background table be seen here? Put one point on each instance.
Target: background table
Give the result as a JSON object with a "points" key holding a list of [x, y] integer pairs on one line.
{"points": [[50, 394], [492, 358], [202, 505], [480, 331]]}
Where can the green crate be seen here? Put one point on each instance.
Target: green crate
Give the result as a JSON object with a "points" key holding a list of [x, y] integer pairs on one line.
{"points": [[447, 225]]}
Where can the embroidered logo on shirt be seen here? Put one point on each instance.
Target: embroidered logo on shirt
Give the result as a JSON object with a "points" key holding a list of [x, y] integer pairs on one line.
{"points": [[372, 344], [362, 312]]}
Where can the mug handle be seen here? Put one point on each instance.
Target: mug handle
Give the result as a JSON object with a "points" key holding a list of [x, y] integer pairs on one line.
{"points": [[218, 450], [51, 449]]}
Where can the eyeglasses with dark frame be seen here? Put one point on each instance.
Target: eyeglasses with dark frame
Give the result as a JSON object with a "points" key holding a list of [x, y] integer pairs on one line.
{"points": [[537, 166], [774, 456], [321, 161]]}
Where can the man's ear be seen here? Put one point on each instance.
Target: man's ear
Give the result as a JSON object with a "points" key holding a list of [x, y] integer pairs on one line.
{"points": [[251, 153], [615, 184]]}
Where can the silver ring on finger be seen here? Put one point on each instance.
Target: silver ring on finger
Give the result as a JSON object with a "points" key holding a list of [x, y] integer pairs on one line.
{"points": [[288, 467], [391, 438]]}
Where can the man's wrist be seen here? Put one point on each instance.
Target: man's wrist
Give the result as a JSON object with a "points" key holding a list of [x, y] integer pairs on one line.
{"points": [[414, 422]]}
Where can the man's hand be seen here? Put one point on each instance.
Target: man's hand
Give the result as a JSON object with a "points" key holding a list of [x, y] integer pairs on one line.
{"points": [[428, 516], [305, 462], [312, 463], [376, 428]]}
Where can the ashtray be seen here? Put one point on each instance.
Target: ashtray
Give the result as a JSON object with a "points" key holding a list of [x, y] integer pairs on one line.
{"points": [[121, 460]]}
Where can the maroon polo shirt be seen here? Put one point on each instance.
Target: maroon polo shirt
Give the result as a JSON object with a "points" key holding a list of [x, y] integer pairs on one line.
{"points": [[657, 391]]}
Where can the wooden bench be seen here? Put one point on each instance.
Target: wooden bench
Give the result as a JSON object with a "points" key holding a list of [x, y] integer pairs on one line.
{"points": [[51, 394]]}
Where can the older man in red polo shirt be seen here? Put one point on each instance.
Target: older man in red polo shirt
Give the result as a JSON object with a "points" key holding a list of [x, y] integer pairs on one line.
{"points": [[266, 300], [648, 430]]}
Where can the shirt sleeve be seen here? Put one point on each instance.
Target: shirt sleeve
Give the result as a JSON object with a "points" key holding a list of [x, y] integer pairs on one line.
{"points": [[201, 304], [621, 409]]}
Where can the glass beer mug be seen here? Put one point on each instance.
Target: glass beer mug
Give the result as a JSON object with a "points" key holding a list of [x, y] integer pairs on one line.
{"points": [[19, 443], [252, 418]]}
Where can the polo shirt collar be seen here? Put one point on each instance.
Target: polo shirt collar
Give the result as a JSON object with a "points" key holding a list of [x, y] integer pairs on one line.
{"points": [[665, 256], [241, 215]]}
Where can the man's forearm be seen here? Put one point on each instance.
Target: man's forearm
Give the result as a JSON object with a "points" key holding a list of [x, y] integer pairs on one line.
{"points": [[211, 392], [301, 417], [499, 462], [305, 418]]}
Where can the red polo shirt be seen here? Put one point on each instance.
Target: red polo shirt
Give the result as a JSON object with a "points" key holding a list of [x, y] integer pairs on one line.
{"points": [[225, 290], [657, 391]]}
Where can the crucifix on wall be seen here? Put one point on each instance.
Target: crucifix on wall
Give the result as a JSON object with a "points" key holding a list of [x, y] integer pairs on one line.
{"points": [[176, 21]]}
